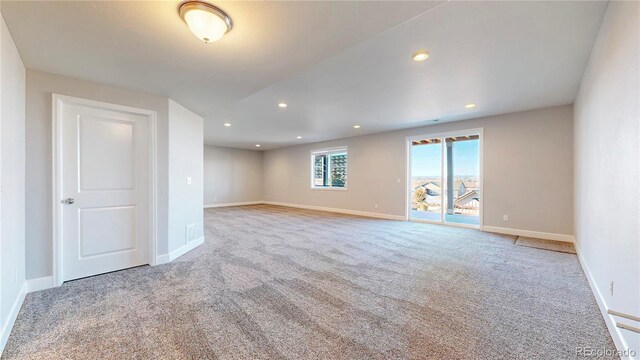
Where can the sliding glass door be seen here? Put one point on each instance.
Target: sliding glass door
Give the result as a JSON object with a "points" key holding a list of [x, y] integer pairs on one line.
{"points": [[462, 174], [445, 178], [426, 180]]}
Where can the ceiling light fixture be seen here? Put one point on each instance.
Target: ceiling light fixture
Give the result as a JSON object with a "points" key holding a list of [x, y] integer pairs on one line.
{"points": [[257, 145], [207, 22], [356, 126], [282, 105], [420, 55], [298, 137], [470, 106], [227, 124]]}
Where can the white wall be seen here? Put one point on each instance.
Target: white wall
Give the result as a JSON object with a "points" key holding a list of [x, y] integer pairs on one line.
{"points": [[232, 175], [185, 160], [40, 86], [12, 159], [607, 185], [527, 171]]}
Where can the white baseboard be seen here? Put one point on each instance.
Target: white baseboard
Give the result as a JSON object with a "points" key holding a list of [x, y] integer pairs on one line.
{"points": [[340, 211], [185, 248], [234, 204], [40, 284], [617, 337], [11, 319], [162, 259], [529, 233], [167, 258]]}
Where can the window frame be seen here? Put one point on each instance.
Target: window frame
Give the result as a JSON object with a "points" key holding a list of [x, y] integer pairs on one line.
{"points": [[328, 152]]}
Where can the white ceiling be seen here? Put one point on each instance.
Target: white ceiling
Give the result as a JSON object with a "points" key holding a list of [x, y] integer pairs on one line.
{"points": [[335, 64]]}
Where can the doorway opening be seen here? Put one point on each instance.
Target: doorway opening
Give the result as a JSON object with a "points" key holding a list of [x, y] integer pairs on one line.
{"points": [[445, 178]]}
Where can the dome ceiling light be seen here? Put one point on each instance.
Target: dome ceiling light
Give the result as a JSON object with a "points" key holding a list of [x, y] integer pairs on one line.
{"points": [[420, 55], [207, 22]]}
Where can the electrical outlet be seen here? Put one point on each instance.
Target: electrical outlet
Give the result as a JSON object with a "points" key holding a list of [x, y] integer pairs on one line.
{"points": [[505, 217], [398, 180], [375, 206], [188, 180], [611, 287]]}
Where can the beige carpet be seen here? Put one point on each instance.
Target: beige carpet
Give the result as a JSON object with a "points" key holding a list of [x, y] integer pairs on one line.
{"points": [[278, 283]]}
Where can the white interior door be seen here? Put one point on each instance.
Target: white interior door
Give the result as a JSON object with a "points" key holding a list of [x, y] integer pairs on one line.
{"points": [[104, 165]]}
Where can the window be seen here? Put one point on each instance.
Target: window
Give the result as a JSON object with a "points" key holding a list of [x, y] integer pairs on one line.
{"points": [[329, 168]]}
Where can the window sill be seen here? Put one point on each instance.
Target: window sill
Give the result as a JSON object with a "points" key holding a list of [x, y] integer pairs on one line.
{"points": [[330, 188]]}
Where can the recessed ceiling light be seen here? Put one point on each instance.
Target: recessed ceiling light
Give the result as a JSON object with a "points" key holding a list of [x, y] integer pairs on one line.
{"points": [[298, 137], [420, 55], [257, 145], [282, 105], [207, 22], [356, 126], [227, 124], [470, 106]]}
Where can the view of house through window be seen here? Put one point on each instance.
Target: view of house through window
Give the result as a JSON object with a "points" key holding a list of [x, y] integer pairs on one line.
{"points": [[445, 179], [329, 168]]}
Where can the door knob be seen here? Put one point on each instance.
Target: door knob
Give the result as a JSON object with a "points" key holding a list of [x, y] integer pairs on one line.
{"points": [[68, 201]]}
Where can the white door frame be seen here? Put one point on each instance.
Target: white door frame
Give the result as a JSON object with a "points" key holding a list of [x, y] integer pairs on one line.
{"points": [[463, 132], [57, 101]]}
